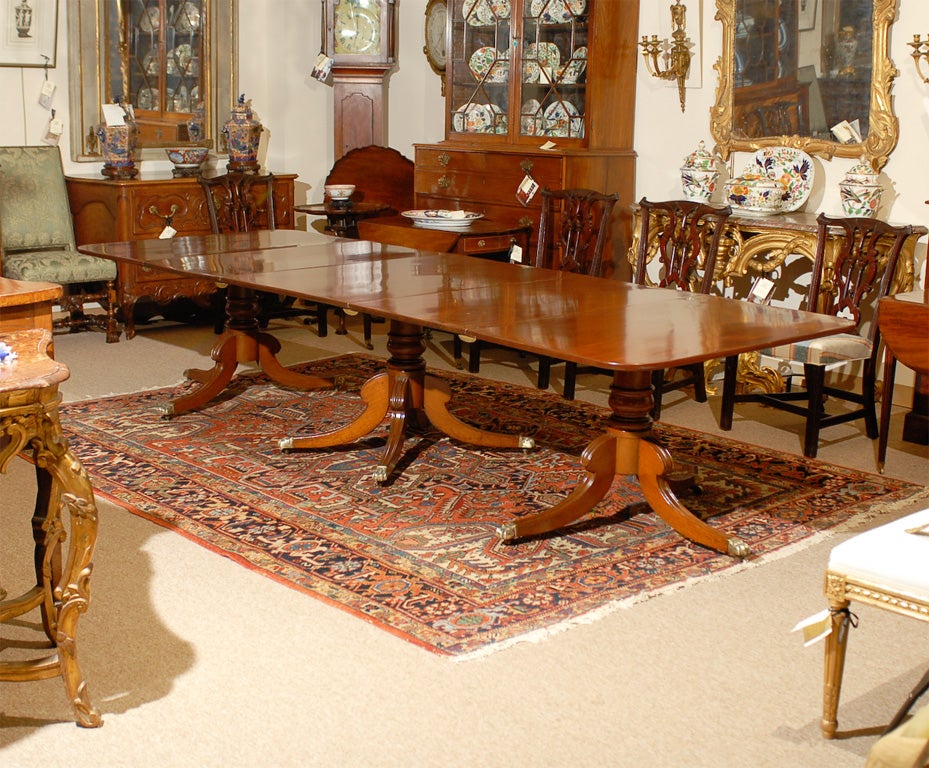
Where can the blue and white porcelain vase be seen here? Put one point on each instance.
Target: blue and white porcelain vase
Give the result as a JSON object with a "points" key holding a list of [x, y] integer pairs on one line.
{"points": [[242, 132], [118, 146]]}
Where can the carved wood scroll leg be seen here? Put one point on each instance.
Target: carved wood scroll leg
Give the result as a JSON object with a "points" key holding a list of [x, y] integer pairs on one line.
{"points": [[268, 347], [212, 381], [437, 394], [599, 463], [375, 395], [399, 410], [654, 472]]}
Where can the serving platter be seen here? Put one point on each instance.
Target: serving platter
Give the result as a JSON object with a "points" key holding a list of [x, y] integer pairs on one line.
{"points": [[438, 218], [792, 167]]}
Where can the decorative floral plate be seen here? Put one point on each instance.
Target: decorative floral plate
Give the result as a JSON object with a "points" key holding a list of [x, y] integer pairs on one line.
{"points": [[540, 62], [792, 167], [557, 11], [571, 72], [438, 218], [561, 119], [481, 13], [530, 118], [488, 63]]}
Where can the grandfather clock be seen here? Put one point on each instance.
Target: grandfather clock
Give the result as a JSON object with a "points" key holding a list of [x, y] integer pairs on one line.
{"points": [[359, 38]]}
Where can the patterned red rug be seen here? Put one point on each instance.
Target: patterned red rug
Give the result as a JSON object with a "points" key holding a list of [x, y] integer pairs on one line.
{"points": [[419, 557]]}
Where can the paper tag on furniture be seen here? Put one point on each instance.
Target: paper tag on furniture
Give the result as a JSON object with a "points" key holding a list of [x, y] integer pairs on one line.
{"points": [[815, 627]]}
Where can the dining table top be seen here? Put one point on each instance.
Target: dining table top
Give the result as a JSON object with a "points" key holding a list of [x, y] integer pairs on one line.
{"points": [[588, 320]]}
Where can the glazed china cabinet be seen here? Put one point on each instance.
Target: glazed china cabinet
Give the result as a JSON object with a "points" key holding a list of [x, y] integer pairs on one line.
{"points": [[543, 89], [160, 48]]}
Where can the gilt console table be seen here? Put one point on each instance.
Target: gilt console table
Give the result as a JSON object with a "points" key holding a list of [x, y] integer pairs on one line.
{"points": [[139, 209]]}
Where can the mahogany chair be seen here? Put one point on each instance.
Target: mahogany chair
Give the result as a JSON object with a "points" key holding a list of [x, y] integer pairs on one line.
{"points": [[573, 232], [382, 175], [677, 248], [239, 201], [864, 267]]}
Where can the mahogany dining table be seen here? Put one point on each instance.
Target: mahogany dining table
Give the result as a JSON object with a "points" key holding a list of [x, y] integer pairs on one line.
{"points": [[628, 329]]}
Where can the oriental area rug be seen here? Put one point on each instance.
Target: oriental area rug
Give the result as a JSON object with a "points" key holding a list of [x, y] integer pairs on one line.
{"points": [[418, 555]]}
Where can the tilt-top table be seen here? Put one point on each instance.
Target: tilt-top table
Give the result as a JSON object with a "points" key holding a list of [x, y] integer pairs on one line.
{"points": [[628, 329]]}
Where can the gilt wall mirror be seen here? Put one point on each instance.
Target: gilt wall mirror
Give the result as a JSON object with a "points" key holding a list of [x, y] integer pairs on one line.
{"points": [[168, 58], [791, 70]]}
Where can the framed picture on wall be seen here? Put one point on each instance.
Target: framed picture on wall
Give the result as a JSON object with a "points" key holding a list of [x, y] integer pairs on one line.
{"points": [[806, 14], [29, 33]]}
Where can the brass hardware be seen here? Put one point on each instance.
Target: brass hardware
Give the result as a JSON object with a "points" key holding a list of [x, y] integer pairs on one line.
{"points": [[920, 55], [445, 159], [444, 182], [165, 218], [526, 221], [678, 52], [526, 165], [481, 243]]}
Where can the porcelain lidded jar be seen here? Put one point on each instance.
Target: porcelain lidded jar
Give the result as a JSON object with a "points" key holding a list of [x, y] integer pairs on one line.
{"points": [[118, 145], [860, 191], [699, 175], [242, 132]]}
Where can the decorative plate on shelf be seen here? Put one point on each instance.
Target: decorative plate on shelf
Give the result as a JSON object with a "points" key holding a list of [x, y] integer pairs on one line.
{"points": [[530, 118], [474, 118], [792, 167], [540, 62], [561, 119], [150, 20], [571, 72], [438, 218], [557, 11], [188, 18], [477, 13], [488, 63]]}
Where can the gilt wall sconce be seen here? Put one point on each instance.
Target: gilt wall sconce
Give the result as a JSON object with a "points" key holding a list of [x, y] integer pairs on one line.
{"points": [[921, 56], [678, 52]]}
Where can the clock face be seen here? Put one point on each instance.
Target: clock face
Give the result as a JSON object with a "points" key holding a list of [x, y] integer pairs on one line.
{"points": [[357, 26], [436, 17]]}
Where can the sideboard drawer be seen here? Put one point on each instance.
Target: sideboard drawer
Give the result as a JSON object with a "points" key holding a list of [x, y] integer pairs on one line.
{"points": [[185, 210]]}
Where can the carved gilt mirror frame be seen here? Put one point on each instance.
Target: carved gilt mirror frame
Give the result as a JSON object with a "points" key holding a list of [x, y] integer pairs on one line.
{"points": [[883, 127]]}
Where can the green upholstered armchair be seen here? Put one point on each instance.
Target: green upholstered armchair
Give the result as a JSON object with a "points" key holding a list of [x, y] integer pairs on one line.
{"points": [[38, 238]]}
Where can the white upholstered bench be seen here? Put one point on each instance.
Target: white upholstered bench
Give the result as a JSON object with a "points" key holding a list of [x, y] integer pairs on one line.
{"points": [[887, 567]]}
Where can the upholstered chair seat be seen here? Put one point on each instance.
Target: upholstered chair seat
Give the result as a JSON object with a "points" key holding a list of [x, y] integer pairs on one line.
{"points": [[38, 238]]}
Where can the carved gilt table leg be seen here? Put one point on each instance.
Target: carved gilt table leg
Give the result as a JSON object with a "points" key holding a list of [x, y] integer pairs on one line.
{"points": [[29, 419]]}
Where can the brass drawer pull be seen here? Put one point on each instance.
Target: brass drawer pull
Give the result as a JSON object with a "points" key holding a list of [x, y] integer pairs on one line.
{"points": [[166, 219], [526, 165], [444, 182], [445, 159], [481, 243], [525, 221]]}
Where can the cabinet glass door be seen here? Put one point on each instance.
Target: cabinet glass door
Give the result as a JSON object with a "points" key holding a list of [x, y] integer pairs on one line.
{"points": [[517, 68], [159, 66]]}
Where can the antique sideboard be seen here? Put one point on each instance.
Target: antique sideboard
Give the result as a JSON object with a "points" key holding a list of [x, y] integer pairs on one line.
{"points": [[106, 210]]}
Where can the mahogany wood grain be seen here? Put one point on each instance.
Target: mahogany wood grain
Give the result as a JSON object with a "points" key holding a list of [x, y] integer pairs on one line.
{"points": [[904, 325], [528, 308]]}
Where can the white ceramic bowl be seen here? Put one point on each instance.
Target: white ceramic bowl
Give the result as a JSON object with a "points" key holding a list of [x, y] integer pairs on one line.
{"points": [[339, 191]]}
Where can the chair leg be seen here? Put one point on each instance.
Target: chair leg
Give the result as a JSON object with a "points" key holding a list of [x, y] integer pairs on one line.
{"points": [[322, 320], [545, 373], [833, 667], [474, 357], [815, 376], [657, 392], [890, 370], [727, 407], [457, 351], [699, 375], [366, 322], [112, 307], [868, 399], [570, 380]]}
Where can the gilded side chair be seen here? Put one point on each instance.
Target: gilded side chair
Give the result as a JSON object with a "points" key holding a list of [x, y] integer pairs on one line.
{"points": [[38, 239]]}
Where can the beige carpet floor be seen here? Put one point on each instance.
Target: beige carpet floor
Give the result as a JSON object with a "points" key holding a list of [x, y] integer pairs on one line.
{"points": [[196, 661]]}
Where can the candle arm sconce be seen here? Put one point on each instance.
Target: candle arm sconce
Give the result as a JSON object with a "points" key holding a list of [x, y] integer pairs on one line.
{"points": [[678, 65], [921, 56]]}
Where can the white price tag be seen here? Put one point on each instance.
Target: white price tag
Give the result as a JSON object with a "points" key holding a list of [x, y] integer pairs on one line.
{"points": [[167, 233], [516, 254], [45, 95], [815, 627], [322, 68], [54, 130], [526, 189]]}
